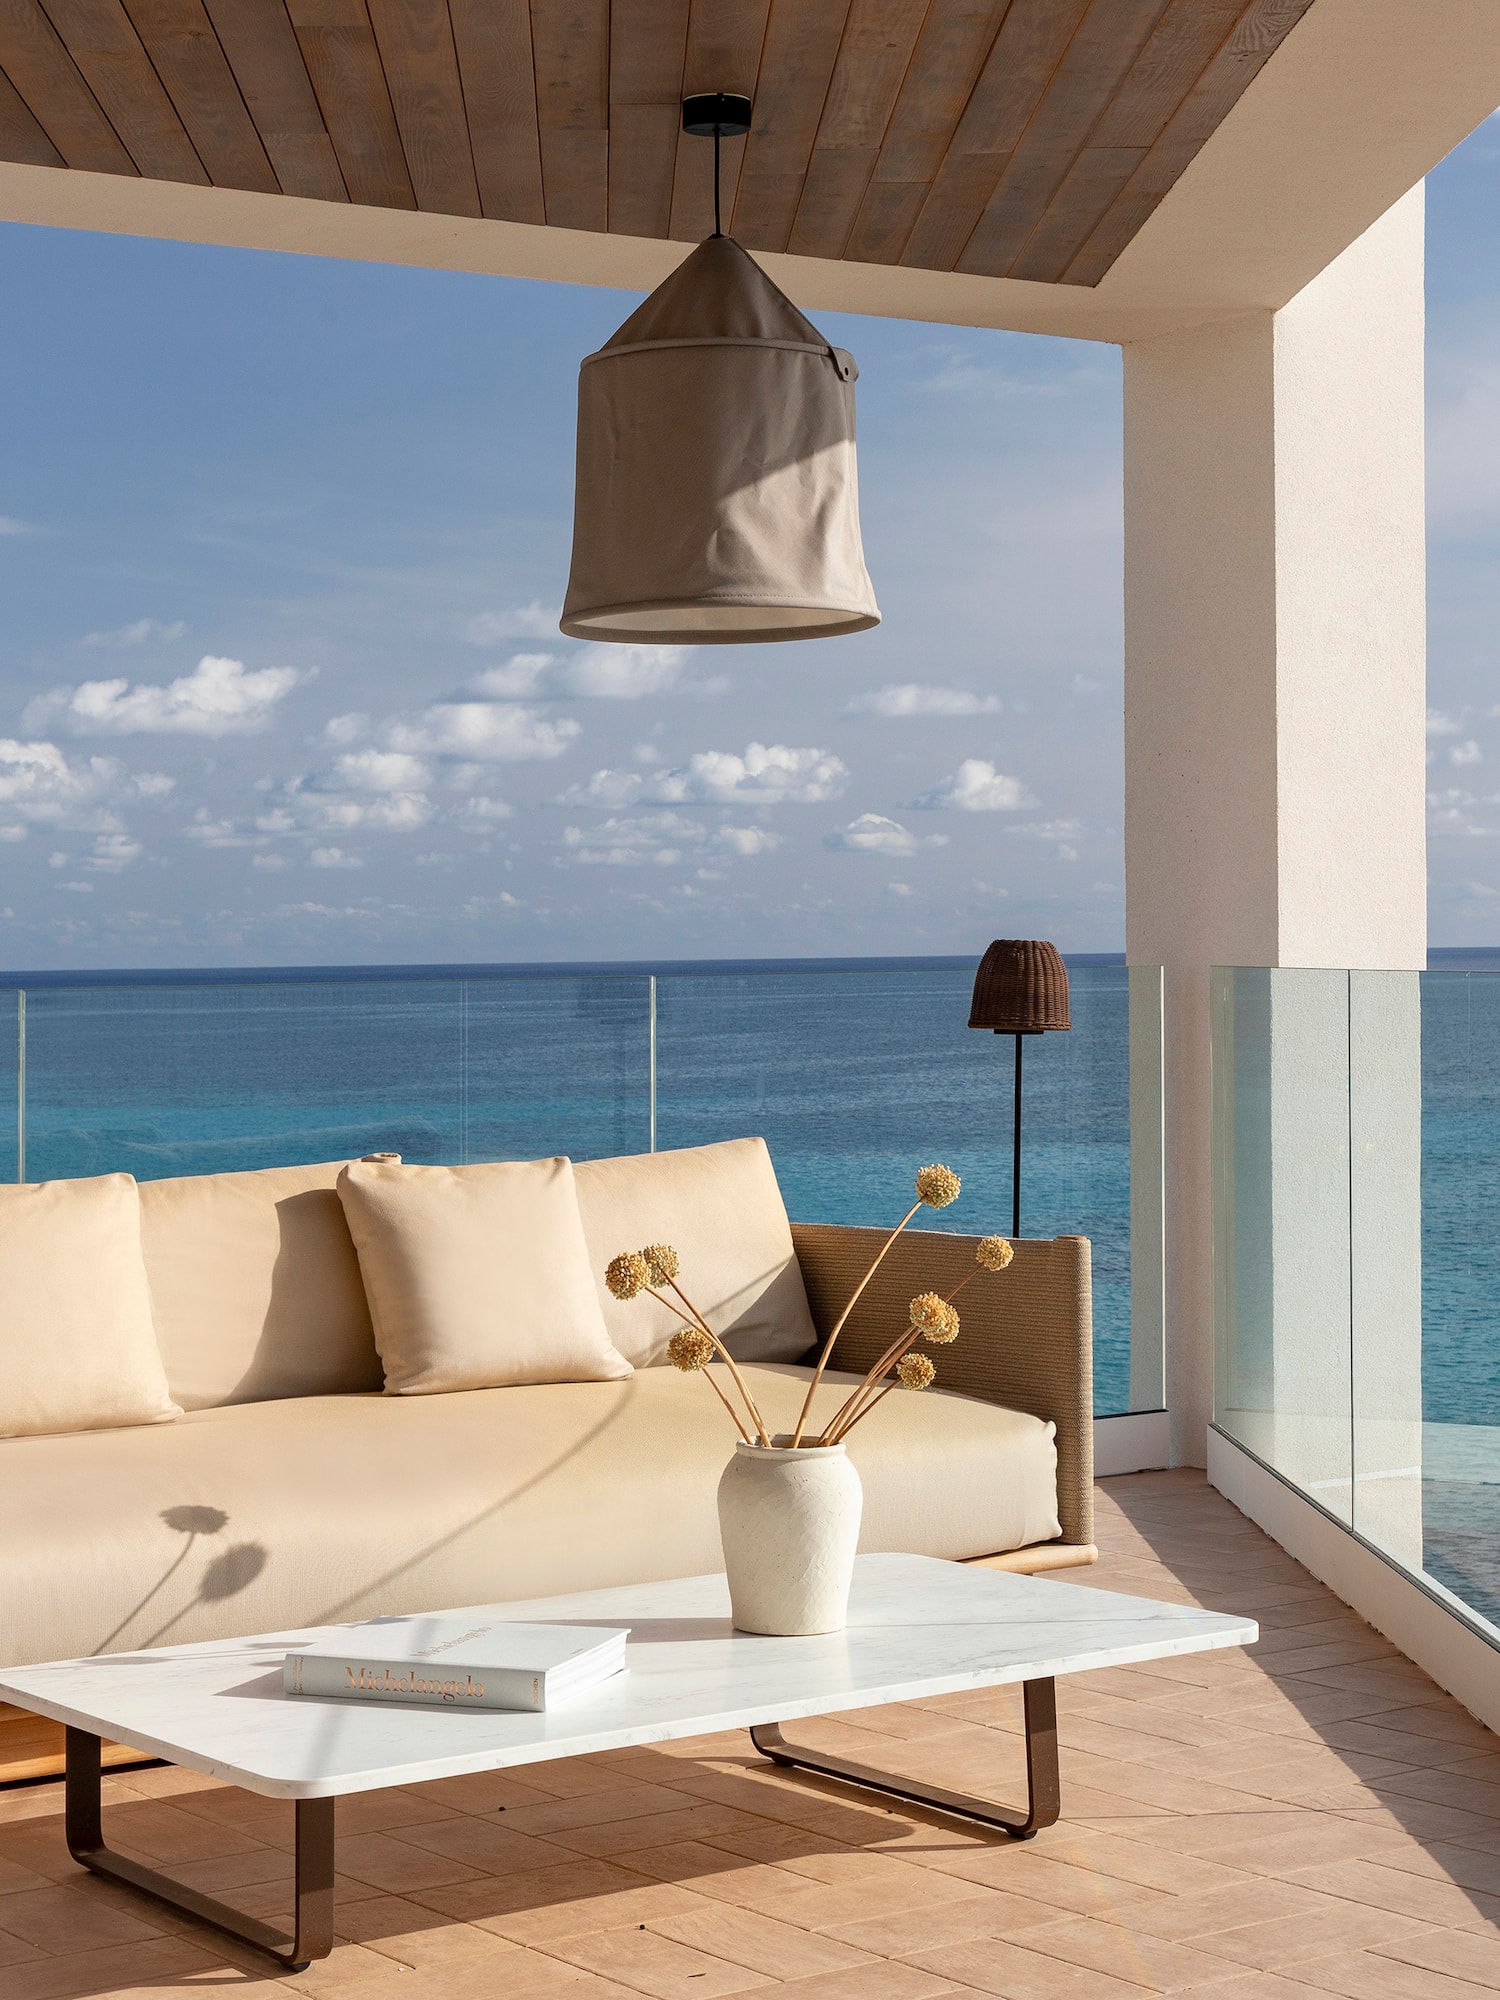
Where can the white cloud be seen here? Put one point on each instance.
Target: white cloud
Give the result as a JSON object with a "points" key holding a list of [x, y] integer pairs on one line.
{"points": [[218, 698], [152, 784], [480, 813], [1047, 829], [901, 888], [212, 832], [381, 771], [767, 774], [490, 731], [342, 729], [523, 674], [746, 840], [662, 839], [136, 634], [599, 673], [648, 840], [873, 833], [526, 621], [976, 786], [37, 783], [1440, 723], [1466, 753], [114, 851], [334, 857], [909, 698], [9, 525]]}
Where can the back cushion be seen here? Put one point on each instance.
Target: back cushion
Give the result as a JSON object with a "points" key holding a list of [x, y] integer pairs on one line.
{"points": [[721, 1210], [255, 1287], [77, 1349]]}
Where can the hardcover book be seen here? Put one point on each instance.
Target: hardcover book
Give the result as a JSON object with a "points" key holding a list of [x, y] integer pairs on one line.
{"points": [[446, 1662]]}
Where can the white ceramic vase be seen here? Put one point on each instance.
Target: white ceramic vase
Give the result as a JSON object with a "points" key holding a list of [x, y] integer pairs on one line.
{"points": [[789, 1522]]}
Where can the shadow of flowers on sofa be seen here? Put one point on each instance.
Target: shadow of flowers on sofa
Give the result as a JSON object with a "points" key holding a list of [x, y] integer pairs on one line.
{"points": [[230, 1572]]}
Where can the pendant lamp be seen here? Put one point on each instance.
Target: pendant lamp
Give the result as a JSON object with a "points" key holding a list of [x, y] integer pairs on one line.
{"points": [[1021, 988], [717, 501]]}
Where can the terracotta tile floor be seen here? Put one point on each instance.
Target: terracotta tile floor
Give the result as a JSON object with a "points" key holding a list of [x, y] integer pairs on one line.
{"points": [[1309, 1817]]}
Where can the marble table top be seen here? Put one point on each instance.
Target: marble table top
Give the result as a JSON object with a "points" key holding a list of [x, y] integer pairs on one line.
{"points": [[917, 1627]]}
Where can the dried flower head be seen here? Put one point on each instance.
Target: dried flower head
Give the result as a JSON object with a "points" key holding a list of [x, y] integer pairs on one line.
{"points": [[915, 1371], [937, 1186], [935, 1318], [993, 1252], [662, 1261], [627, 1274], [689, 1349]]}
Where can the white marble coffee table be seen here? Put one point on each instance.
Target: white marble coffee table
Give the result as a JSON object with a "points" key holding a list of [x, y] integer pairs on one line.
{"points": [[917, 1628]]}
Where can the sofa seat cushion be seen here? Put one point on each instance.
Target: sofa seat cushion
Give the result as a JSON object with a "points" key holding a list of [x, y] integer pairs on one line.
{"points": [[257, 1516]]}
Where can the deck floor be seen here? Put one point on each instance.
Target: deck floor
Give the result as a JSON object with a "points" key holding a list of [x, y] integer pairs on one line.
{"points": [[1312, 1816]]}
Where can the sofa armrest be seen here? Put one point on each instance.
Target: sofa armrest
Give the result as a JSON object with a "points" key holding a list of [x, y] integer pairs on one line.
{"points": [[1027, 1338]]}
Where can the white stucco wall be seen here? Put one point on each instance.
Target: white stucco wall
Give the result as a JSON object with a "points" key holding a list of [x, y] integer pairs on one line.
{"points": [[1274, 682]]}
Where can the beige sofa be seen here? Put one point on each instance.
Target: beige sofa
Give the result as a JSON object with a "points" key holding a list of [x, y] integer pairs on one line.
{"points": [[291, 1490]]}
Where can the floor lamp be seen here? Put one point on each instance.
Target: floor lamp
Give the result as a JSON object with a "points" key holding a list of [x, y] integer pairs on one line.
{"points": [[1021, 988]]}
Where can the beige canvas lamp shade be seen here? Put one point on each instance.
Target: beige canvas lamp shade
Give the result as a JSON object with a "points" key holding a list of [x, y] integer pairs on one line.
{"points": [[717, 501]]}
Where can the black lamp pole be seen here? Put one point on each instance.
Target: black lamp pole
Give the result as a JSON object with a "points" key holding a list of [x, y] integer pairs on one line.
{"points": [[1020, 989], [1015, 1165]]}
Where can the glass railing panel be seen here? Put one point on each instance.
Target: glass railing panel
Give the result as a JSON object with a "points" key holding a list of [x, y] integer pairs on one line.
{"points": [[556, 1065], [856, 1078], [168, 1080], [1281, 1193], [1460, 1279], [1148, 1191], [12, 1084], [1385, 1290]]}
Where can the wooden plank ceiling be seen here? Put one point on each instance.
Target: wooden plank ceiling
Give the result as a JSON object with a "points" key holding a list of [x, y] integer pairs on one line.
{"points": [[1007, 138]]}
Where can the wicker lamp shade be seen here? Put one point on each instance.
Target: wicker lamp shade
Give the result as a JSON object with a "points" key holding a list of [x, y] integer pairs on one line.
{"points": [[1021, 988]]}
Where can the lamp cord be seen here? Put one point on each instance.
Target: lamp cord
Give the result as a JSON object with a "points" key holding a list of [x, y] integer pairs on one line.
{"points": [[717, 230]]}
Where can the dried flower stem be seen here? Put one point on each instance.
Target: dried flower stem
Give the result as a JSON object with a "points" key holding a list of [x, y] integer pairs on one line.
{"points": [[738, 1420], [724, 1355], [860, 1403], [850, 1412], [839, 1324], [878, 1398]]}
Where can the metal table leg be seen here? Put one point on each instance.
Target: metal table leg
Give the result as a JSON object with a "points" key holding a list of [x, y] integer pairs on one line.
{"points": [[313, 1931], [1042, 1786]]}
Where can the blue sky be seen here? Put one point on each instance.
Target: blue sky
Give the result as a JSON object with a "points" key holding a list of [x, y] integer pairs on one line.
{"points": [[281, 546]]}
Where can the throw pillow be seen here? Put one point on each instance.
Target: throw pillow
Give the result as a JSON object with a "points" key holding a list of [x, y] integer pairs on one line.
{"points": [[77, 1347], [255, 1287], [477, 1277], [721, 1210]]}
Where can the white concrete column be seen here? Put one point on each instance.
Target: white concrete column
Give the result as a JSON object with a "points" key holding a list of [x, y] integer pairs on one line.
{"points": [[1274, 682]]}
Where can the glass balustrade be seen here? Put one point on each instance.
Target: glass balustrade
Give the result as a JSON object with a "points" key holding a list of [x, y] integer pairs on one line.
{"points": [[854, 1076], [1357, 1255]]}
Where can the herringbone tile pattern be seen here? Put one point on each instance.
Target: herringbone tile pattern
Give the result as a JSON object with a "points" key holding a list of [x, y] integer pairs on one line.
{"points": [[1309, 1817]]}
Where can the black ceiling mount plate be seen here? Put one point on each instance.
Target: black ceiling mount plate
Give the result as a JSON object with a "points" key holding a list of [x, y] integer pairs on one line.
{"points": [[721, 111]]}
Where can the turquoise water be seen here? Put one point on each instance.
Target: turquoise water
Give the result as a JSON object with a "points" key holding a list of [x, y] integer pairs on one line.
{"points": [[855, 1074]]}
